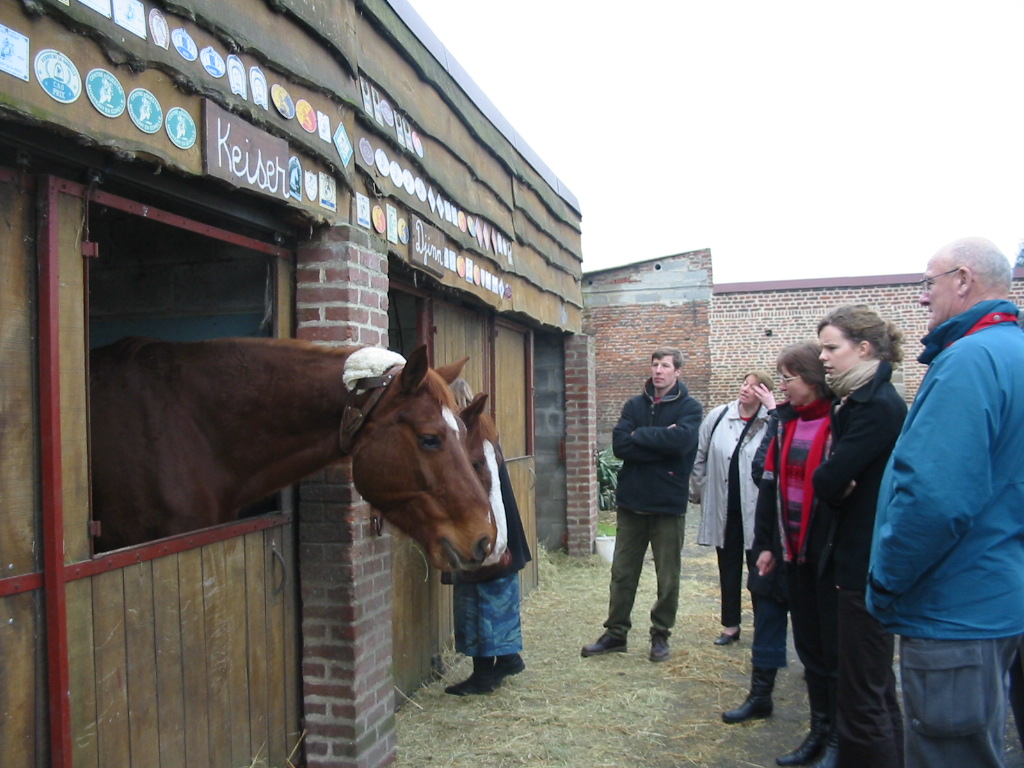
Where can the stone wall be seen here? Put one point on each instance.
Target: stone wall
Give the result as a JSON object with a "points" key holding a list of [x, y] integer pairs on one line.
{"points": [[549, 372]]}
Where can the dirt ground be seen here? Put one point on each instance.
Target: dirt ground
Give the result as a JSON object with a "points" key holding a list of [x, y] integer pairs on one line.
{"points": [[615, 710]]}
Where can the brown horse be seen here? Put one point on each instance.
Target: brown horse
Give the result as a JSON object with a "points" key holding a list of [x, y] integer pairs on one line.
{"points": [[485, 455], [184, 435]]}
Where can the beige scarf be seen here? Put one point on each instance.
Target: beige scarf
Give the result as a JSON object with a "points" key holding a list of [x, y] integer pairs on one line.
{"points": [[853, 378]]}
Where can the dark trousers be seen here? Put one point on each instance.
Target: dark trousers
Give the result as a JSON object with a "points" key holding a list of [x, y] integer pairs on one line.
{"points": [[1017, 695], [813, 611], [771, 619], [869, 723], [730, 568], [664, 534]]}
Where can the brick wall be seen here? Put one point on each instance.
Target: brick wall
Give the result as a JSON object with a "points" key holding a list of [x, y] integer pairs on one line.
{"points": [[633, 310], [630, 310], [345, 570], [750, 323], [580, 434]]}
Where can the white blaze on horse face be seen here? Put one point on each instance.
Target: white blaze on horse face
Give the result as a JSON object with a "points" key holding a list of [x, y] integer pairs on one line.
{"points": [[497, 505], [449, 418]]}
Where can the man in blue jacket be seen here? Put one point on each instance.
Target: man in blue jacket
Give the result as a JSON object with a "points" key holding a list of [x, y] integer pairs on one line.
{"points": [[656, 438], [947, 561]]}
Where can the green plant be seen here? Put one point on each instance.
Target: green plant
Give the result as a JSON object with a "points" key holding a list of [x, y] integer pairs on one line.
{"points": [[606, 529], [607, 478]]}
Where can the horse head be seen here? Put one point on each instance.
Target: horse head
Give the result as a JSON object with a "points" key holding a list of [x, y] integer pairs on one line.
{"points": [[485, 455], [410, 462]]}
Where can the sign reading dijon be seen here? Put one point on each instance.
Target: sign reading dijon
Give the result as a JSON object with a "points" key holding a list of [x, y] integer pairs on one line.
{"points": [[243, 155], [428, 248]]}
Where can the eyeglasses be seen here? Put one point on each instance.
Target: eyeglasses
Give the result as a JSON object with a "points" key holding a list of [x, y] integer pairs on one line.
{"points": [[928, 283], [787, 379]]}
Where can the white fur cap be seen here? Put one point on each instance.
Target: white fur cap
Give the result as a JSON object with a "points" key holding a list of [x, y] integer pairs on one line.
{"points": [[368, 362]]}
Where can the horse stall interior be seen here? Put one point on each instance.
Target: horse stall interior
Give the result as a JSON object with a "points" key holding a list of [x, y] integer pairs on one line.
{"points": [[182, 651], [499, 364]]}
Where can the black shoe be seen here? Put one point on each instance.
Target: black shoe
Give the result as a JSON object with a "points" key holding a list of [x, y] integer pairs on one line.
{"points": [[483, 679], [511, 664], [725, 638], [812, 745], [759, 701], [605, 644], [659, 647], [472, 685]]}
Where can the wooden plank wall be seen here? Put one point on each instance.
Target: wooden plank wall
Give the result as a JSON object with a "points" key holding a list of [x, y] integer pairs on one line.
{"points": [[189, 659], [321, 53], [20, 635]]}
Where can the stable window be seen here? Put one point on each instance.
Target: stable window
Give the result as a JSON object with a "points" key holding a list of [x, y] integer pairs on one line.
{"points": [[153, 274]]}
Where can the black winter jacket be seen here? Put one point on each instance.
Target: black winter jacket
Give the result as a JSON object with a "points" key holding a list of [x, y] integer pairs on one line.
{"points": [[657, 443], [769, 585], [864, 432], [768, 514]]}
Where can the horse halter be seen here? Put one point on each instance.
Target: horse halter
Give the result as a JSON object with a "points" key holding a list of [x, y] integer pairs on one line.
{"points": [[353, 417]]}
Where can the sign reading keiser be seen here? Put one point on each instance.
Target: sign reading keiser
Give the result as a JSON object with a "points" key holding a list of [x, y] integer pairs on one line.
{"points": [[243, 155]]}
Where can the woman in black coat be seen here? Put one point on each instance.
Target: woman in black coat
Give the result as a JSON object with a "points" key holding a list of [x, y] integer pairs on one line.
{"points": [[786, 532], [858, 351]]}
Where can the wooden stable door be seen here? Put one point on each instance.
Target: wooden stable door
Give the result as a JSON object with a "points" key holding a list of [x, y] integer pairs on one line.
{"points": [[500, 363], [513, 398], [179, 652], [422, 625]]}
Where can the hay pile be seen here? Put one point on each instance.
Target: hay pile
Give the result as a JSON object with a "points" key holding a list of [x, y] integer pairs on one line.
{"points": [[615, 710]]}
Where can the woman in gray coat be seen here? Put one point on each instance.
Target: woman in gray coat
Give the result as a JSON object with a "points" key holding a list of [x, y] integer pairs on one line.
{"points": [[721, 482]]}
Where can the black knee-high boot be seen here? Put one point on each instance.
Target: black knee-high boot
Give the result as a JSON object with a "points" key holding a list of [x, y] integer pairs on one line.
{"points": [[829, 758], [508, 664], [759, 701], [813, 746], [483, 679]]}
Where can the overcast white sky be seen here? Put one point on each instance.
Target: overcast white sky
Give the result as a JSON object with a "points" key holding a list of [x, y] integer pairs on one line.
{"points": [[798, 138]]}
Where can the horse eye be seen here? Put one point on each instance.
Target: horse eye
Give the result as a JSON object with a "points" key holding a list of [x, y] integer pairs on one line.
{"points": [[430, 442]]}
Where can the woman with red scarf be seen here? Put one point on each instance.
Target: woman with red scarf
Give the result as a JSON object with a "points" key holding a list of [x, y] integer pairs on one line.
{"points": [[790, 523]]}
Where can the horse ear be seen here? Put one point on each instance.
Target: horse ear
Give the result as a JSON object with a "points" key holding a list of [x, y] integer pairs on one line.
{"points": [[451, 371], [415, 370], [472, 412]]}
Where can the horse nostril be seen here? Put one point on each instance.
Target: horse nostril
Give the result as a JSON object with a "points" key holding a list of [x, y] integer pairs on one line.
{"points": [[482, 549]]}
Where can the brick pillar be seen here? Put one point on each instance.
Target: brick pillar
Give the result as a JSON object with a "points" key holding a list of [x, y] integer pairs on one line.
{"points": [[345, 570], [580, 445]]}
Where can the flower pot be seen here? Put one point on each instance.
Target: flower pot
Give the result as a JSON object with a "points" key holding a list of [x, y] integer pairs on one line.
{"points": [[605, 547]]}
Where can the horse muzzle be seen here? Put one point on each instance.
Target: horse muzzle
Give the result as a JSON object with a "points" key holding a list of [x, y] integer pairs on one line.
{"points": [[481, 549]]}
